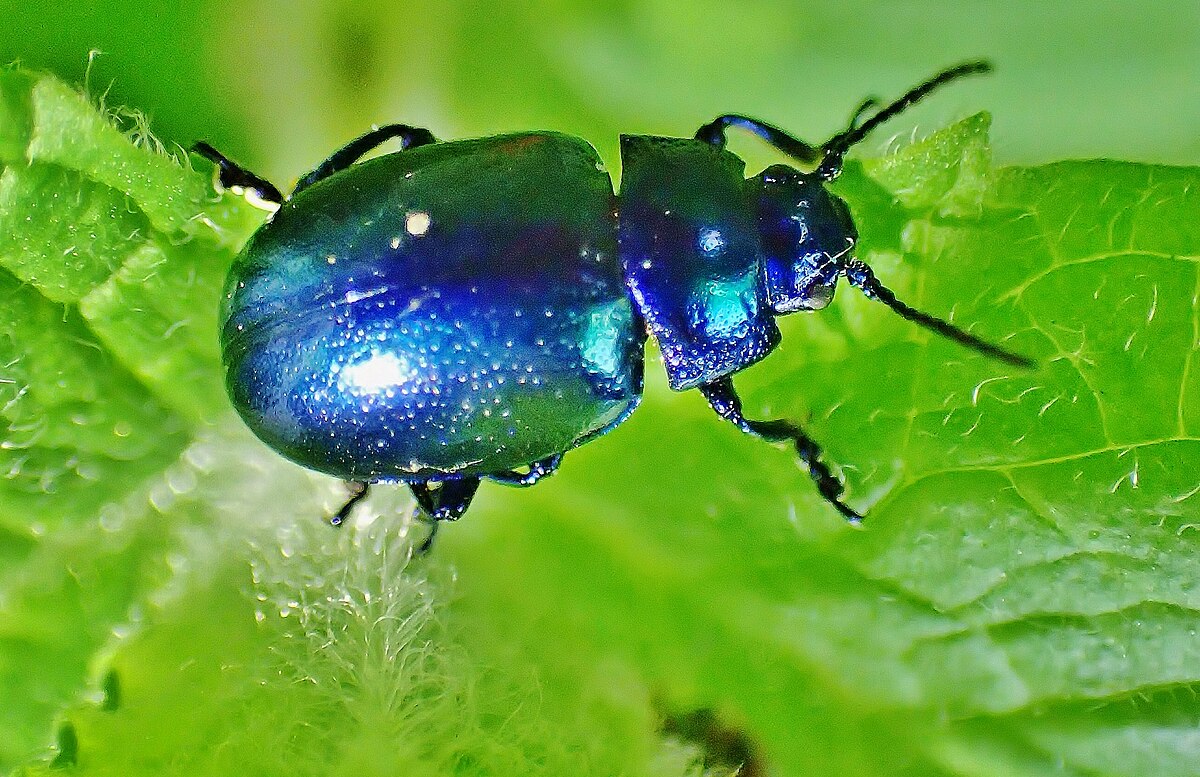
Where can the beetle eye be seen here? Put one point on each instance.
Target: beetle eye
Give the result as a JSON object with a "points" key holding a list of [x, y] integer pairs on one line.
{"points": [[807, 236]]}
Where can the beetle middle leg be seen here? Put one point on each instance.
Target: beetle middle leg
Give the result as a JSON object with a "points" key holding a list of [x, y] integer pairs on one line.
{"points": [[446, 500], [725, 401], [537, 470], [410, 137]]}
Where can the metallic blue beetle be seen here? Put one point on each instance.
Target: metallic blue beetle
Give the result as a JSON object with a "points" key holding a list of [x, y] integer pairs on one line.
{"points": [[468, 310]]}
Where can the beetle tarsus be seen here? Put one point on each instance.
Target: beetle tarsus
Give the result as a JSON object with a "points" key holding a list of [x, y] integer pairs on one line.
{"points": [[830, 488], [727, 404], [856, 117], [723, 746]]}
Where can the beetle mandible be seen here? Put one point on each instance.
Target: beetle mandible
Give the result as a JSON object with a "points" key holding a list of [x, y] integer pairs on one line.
{"points": [[469, 310]]}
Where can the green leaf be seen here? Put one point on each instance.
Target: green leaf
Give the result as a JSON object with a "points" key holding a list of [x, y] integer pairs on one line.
{"points": [[342, 661], [102, 384], [1021, 599]]}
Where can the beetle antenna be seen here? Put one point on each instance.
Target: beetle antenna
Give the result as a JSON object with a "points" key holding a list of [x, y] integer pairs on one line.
{"points": [[863, 278], [839, 144], [861, 111]]}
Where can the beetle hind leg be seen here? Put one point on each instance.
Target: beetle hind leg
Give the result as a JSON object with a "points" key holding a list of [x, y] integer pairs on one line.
{"points": [[725, 401]]}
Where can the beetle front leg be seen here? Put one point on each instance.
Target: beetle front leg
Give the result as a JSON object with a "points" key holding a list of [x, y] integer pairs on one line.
{"points": [[713, 133], [725, 401]]}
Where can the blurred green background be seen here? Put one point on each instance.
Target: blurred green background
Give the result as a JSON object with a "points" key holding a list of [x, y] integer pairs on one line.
{"points": [[278, 84]]}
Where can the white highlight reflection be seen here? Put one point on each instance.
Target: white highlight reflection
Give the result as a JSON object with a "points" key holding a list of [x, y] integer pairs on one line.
{"points": [[417, 224], [378, 373]]}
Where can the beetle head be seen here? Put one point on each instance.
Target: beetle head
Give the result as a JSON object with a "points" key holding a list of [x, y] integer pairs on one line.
{"points": [[807, 238]]}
